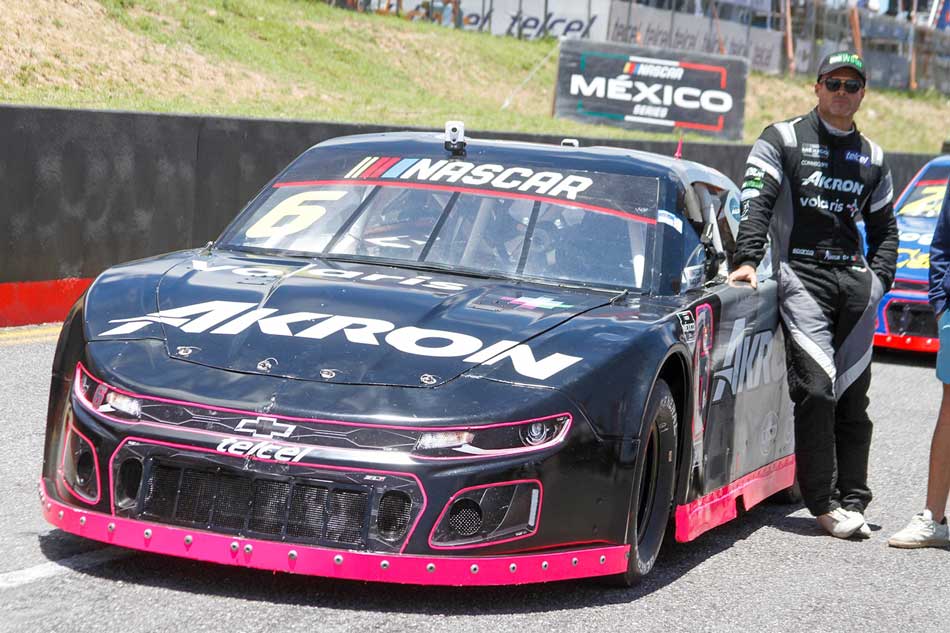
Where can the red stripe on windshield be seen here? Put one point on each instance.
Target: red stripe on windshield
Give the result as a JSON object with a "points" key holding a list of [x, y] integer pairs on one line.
{"points": [[928, 183], [381, 166], [480, 192]]}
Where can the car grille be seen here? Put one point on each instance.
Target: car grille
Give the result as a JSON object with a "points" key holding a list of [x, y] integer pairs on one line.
{"points": [[223, 501], [914, 319]]}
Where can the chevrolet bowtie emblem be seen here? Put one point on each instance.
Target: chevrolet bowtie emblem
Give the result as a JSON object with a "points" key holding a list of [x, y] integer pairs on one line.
{"points": [[262, 426]]}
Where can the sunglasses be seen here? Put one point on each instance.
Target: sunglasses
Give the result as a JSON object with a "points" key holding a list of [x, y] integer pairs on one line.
{"points": [[851, 86]]}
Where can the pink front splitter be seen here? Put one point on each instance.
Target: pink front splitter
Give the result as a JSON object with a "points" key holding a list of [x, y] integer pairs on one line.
{"points": [[334, 563]]}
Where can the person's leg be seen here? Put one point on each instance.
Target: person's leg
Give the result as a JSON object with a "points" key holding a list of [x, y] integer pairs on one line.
{"points": [[938, 481], [929, 528], [810, 389], [809, 305], [853, 443]]}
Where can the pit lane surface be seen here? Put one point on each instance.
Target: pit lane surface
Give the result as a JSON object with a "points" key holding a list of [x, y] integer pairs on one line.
{"points": [[769, 570]]}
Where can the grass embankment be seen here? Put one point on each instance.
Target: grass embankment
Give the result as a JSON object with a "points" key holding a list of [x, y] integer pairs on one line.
{"points": [[301, 59]]}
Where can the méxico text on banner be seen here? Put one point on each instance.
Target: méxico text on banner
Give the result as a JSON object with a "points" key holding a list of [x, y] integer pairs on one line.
{"points": [[651, 89]]}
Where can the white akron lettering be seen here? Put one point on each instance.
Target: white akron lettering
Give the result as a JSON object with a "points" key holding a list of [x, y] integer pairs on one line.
{"points": [[359, 330], [619, 89], [834, 184], [749, 362]]}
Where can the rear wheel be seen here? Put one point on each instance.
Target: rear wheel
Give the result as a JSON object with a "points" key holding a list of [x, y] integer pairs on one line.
{"points": [[654, 479]]}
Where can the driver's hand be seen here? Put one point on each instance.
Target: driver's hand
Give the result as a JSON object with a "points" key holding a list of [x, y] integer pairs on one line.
{"points": [[744, 273]]}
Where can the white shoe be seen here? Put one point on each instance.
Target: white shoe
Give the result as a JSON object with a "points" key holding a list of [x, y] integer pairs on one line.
{"points": [[841, 523], [865, 530], [922, 531]]}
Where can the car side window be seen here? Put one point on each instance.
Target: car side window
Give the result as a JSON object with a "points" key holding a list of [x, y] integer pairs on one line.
{"points": [[717, 244], [694, 258]]}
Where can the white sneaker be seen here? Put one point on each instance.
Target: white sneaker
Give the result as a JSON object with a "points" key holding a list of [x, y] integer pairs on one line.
{"points": [[841, 523], [922, 531], [865, 530]]}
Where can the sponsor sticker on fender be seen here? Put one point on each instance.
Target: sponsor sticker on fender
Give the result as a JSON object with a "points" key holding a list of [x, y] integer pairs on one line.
{"points": [[687, 325]]}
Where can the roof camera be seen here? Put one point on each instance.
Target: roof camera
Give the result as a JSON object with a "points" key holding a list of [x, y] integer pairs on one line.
{"points": [[455, 137]]}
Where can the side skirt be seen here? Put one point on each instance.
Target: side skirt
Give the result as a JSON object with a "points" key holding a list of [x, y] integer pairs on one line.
{"points": [[719, 506]]}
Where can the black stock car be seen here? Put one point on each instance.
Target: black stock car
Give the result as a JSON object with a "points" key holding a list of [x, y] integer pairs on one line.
{"points": [[493, 364]]}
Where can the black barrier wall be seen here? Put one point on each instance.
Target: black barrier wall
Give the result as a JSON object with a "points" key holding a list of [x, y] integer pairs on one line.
{"points": [[84, 190]]}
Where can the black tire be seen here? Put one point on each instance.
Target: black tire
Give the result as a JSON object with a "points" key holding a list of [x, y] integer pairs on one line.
{"points": [[653, 484]]}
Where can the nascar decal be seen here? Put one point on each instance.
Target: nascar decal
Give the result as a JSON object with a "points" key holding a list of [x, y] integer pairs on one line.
{"points": [[523, 179], [637, 88], [228, 318]]}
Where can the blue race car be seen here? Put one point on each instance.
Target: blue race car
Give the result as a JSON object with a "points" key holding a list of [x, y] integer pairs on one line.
{"points": [[905, 319]]}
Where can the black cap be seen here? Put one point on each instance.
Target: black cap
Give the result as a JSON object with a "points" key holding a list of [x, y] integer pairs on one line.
{"points": [[842, 59]]}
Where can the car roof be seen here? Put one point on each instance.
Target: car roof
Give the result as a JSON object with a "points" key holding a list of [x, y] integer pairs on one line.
{"points": [[939, 161], [592, 158]]}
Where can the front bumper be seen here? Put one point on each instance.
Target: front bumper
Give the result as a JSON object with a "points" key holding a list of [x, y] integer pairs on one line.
{"points": [[905, 321], [577, 483], [334, 563]]}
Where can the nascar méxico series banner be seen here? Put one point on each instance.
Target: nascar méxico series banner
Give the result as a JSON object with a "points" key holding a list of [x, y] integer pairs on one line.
{"points": [[651, 89]]}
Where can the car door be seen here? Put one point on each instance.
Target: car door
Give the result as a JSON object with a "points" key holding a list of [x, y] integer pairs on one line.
{"points": [[747, 421]]}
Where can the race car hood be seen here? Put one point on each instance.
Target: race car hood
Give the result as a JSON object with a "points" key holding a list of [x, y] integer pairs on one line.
{"points": [[348, 323]]}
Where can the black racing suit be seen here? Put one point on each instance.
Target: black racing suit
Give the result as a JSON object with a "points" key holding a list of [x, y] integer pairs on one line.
{"points": [[804, 185]]}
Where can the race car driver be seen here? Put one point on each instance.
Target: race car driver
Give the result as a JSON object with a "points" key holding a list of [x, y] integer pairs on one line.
{"points": [[806, 180]]}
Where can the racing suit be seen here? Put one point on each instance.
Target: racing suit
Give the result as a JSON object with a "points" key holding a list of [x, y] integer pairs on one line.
{"points": [[804, 184]]}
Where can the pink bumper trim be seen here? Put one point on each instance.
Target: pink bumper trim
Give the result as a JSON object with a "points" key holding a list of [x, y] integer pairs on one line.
{"points": [[334, 563], [719, 506]]}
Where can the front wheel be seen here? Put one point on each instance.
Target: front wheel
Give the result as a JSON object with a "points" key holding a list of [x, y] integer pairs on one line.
{"points": [[654, 479]]}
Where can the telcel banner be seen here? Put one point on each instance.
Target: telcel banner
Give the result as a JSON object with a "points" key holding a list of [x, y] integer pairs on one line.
{"points": [[651, 89]]}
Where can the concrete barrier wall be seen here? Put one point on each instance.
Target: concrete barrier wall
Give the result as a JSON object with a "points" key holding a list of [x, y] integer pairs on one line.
{"points": [[84, 190]]}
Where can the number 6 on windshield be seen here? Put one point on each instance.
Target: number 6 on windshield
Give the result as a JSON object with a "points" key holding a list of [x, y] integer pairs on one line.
{"points": [[299, 212]]}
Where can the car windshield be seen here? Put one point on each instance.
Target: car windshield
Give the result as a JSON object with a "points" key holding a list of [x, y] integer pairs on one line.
{"points": [[925, 197], [578, 227]]}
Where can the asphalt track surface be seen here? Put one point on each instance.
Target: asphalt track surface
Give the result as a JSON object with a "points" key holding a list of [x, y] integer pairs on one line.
{"points": [[769, 570]]}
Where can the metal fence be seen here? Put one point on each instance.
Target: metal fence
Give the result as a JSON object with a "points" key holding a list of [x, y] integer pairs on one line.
{"points": [[900, 54]]}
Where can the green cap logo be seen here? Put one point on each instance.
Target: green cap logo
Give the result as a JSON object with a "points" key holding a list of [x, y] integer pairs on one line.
{"points": [[847, 58]]}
